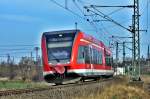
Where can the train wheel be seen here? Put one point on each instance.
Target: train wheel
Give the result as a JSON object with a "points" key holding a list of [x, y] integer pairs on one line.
{"points": [[96, 79], [83, 79], [58, 83]]}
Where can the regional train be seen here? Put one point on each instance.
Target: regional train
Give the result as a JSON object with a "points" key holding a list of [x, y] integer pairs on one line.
{"points": [[71, 54]]}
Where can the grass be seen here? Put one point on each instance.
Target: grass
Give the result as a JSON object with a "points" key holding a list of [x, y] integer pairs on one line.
{"points": [[4, 85], [146, 78], [119, 92], [124, 92]]}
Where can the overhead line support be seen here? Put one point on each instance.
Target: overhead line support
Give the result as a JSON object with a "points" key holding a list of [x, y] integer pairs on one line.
{"points": [[91, 6]]}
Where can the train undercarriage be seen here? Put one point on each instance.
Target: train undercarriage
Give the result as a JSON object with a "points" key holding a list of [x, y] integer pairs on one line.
{"points": [[59, 79]]}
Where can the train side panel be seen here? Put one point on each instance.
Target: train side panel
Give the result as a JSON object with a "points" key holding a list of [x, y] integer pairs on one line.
{"points": [[89, 69]]}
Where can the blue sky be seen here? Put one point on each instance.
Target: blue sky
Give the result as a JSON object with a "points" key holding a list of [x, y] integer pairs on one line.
{"points": [[23, 21]]}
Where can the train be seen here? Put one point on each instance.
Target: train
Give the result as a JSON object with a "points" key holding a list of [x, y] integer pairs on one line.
{"points": [[72, 54]]}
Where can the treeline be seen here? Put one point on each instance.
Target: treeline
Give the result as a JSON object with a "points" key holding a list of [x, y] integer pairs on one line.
{"points": [[26, 69]]}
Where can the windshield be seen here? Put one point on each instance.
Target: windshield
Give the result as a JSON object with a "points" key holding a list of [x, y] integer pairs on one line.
{"points": [[59, 48]]}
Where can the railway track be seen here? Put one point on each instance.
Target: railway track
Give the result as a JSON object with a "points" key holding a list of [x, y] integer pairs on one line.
{"points": [[51, 88]]}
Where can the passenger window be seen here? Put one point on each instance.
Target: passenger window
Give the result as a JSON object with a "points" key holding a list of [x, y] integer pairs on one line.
{"points": [[100, 57], [108, 60], [97, 57], [81, 55], [87, 54]]}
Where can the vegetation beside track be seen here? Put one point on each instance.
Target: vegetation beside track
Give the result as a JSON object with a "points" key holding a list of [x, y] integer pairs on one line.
{"points": [[121, 90], [7, 85], [118, 88]]}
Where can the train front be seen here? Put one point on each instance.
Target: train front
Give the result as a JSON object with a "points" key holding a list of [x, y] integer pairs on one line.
{"points": [[56, 54]]}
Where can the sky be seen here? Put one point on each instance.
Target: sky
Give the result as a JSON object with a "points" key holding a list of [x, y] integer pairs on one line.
{"points": [[22, 23]]}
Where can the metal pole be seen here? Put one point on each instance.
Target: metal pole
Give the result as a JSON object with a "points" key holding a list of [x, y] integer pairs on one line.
{"points": [[124, 57], [136, 43], [76, 25], [116, 56], [36, 49], [37, 62], [8, 59], [148, 56], [124, 53]]}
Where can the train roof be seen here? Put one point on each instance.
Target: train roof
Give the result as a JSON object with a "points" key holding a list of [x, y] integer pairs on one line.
{"points": [[62, 32], [96, 41], [87, 36]]}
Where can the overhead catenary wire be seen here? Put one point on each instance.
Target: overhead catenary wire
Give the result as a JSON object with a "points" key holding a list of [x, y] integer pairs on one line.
{"points": [[97, 29], [94, 26], [117, 10], [74, 1], [19, 45], [84, 2], [14, 49], [108, 18], [76, 14], [110, 14]]}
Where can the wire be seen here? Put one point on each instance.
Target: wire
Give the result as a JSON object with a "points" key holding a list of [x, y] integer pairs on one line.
{"points": [[78, 7], [76, 13], [117, 10], [110, 19], [91, 23], [84, 2], [17, 45], [70, 11], [67, 9], [97, 29], [15, 49]]}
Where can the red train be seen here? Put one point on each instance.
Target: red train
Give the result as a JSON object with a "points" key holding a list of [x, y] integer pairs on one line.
{"points": [[71, 54]]}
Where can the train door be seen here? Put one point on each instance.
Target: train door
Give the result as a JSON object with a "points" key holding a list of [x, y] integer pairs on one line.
{"points": [[88, 60], [91, 59]]}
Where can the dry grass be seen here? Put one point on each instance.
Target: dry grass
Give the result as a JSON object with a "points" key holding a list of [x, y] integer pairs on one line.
{"points": [[119, 92], [146, 78], [124, 92]]}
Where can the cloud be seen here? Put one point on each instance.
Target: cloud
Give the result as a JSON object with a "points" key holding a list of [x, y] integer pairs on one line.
{"points": [[20, 18]]}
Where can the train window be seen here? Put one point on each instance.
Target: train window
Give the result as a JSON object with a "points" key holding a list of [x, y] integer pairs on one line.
{"points": [[100, 57], [87, 54], [81, 55], [108, 60], [59, 47], [84, 55], [95, 56]]}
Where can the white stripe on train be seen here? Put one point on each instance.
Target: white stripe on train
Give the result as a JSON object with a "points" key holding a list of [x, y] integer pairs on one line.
{"points": [[86, 72]]}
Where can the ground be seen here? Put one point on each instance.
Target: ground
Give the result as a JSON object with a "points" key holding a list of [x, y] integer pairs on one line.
{"points": [[122, 90]]}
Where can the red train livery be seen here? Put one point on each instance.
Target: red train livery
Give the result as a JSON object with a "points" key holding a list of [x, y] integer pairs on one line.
{"points": [[70, 54]]}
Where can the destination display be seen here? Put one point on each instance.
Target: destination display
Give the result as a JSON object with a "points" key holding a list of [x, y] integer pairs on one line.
{"points": [[57, 39]]}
